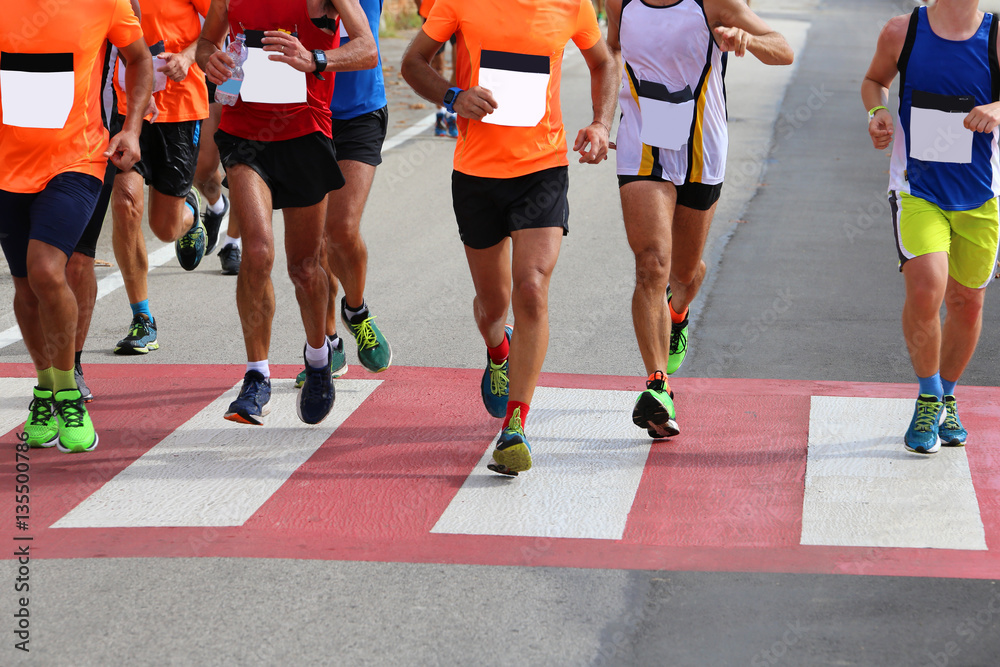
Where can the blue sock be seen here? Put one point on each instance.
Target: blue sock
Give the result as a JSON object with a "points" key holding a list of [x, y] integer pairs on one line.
{"points": [[948, 387], [142, 308], [931, 385]]}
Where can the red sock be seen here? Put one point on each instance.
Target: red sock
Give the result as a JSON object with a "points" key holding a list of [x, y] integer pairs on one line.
{"points": [[514, 405], [499, 353], [674, 317]]}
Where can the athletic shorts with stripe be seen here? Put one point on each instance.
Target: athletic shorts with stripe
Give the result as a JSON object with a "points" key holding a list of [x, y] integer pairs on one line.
{"points": [[971, 238]]}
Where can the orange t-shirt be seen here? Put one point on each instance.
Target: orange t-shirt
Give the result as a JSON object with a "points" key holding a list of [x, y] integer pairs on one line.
{"points": [[50, 88], [177, 24], [425, 8], [515, 49]]}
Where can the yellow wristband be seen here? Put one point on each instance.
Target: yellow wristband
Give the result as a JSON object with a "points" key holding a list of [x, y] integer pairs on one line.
{"points": [[871, 112]]}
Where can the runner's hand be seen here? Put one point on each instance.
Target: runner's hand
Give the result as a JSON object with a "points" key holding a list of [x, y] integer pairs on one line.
{"points": [[152, 111], [123, 150], [177, 65], [219, 67], [474, 103], [284, 48], [984, 118], [592, 143], [733, 39], [880, 129]]}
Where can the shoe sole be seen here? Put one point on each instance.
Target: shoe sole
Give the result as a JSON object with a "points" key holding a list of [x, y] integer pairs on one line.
{"points": [[126, 350], [243, 417], [76, 450], [650, 414], [954, 442], [512, 460], [921, 450]]}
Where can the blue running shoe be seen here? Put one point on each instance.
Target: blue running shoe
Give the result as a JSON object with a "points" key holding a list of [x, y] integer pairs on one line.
{"points": [[513, 453], [494, 385], [441, 124], [452, 122], [317, 393], [951, 432], [252, 403], [141, 336], [922, 436]]}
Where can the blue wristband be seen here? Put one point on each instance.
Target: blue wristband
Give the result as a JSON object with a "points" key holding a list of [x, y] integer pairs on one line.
{"points": [[449, 99]]}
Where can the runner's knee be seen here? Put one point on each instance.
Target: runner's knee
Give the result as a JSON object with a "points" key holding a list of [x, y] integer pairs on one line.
{"points": [[652, 268]]}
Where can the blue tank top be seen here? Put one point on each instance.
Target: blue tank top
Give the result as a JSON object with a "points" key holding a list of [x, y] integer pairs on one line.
{"points": [[358, 93], [941, 81]]}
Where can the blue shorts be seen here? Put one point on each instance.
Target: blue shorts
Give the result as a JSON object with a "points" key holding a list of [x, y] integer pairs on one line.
{"points": [[57, 216]]}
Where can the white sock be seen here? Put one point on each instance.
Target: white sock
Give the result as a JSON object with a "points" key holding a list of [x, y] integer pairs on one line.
{"points": [[219, 206], [259, 366], [334, 340], [351, 313], [317, 357], [230, 240]]}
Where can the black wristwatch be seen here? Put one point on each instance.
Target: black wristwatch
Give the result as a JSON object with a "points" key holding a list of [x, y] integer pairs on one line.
{"points": [[449, 99], [319, 57]]}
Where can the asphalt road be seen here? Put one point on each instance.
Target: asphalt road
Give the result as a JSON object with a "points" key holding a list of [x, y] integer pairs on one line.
{"points": [[805, 288]]}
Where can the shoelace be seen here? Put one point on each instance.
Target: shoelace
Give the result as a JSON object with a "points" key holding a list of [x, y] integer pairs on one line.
{"points": [[251, 389], [656, 381], [498, 379], [951, 416], [679, 343], [515, 422], [188, 240], [139, 329], [315, 389], [926, 416], [72, 412], [364, 334], [41, 411]]}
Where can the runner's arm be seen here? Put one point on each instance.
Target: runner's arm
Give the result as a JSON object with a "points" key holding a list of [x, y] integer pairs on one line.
{"points": [[123, 149], [605, 77], [209, 55], [881, 72], [416, 68], [738, 29], [359, 53]]}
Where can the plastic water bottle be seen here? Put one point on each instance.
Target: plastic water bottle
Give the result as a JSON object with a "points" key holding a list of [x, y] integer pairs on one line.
{"points": [[228, 92]]}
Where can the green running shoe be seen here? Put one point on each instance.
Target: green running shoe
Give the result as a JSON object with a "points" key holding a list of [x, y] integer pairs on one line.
{"points": [[951, 432], [76, 431], [513, 453], [42, 427], [374, 351], [654, 409], [922, 435], [338, 363], [678, 342]]}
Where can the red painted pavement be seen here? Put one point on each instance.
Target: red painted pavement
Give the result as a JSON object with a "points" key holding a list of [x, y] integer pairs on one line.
{"points": [[726, 495]]}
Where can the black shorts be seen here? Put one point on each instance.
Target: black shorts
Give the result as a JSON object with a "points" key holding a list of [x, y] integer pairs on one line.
{"points": [[57, 216], [211, 91], [169, 154], [87, 245], [697, 196], [300, 172], [489, 209], [361, 138]]}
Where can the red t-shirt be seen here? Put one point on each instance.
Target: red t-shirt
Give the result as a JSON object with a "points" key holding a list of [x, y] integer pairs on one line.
{"points": [[259, 120]]}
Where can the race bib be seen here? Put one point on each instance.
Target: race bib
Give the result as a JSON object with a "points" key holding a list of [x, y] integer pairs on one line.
{"points": [[37, 89], [937, 130], [666, 116], [520, 85], [266, 81]]}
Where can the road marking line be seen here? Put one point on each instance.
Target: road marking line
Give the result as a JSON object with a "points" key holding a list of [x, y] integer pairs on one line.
{"points": [[15, 395], [862, 489], [589, 458], [201, 475]]}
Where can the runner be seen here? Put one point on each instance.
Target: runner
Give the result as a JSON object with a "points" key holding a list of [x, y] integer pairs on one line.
{"points": [[360, 120], [510, 175], [170, 150], [943, 194], [445, 122], [276, 149], [671, 148], [208, 180], [54, 151]]}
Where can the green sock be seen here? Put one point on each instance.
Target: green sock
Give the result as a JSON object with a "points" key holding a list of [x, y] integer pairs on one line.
{"points": [[46, 380], [63, 380]]}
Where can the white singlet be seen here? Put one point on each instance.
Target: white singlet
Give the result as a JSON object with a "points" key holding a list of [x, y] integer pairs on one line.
{"points": [[673, 97]]}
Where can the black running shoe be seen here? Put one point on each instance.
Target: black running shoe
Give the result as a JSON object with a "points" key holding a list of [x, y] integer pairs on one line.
{"points": [[230, 257], [317, 393], [141, 337], [190, 248], [213, 223]]}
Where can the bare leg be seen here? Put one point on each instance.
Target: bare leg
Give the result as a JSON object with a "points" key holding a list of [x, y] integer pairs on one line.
{"points": [[648, 209], [303, 241], [347, 252], [926, 280], [83, 282], [251, 201], [687, 269], [962, 326]]}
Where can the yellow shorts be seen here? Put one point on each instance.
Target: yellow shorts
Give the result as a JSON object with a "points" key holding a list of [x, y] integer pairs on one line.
{"points": [[971, 238]]}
